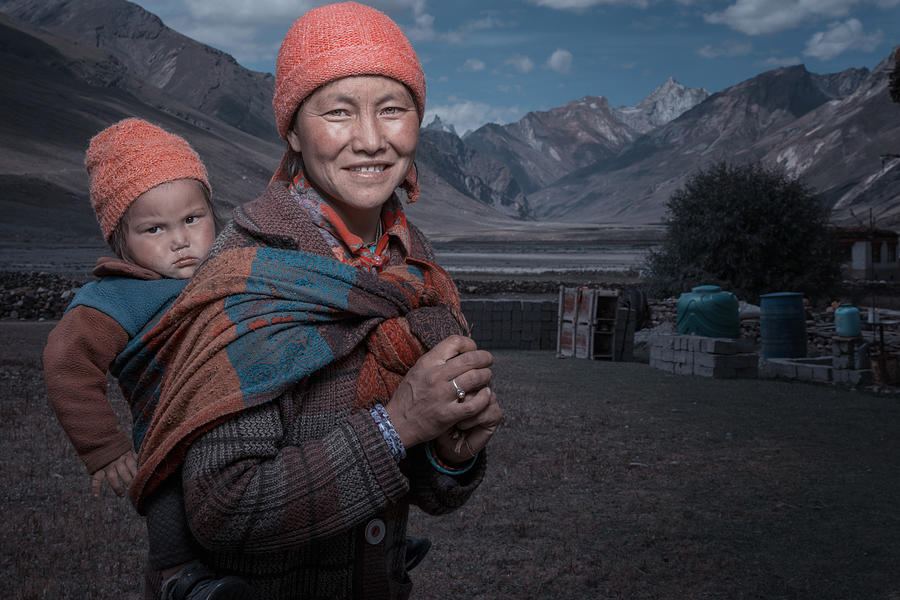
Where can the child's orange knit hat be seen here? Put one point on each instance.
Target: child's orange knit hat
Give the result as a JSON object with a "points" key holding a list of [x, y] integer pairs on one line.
{"points": [[342, 40], [130, 157]]}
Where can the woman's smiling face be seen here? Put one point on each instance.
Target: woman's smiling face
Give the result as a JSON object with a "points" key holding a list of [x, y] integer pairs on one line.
{"points": [[357, 136]]}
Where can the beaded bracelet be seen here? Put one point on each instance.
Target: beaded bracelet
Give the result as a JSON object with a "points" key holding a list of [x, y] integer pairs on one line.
{"points": [[386, 427], [443, 468]]}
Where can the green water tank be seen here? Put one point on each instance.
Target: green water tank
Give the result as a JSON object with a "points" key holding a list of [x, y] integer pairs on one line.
{"points": [[709, 311], [846, 321]]}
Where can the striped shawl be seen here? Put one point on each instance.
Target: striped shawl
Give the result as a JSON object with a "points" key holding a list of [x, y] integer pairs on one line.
{"points": [[256, 320]]}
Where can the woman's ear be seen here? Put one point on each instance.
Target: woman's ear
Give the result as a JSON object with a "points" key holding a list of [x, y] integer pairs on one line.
{"points": [[293, 140], [410, 185]]}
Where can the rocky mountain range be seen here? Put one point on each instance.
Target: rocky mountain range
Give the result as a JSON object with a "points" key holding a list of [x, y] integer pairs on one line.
{"points": [[56, 93], [830, 131], [144, 55], [71, 67], [666, 103]]}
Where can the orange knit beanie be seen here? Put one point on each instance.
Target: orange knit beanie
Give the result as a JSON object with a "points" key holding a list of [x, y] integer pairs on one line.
{"points": [[130, 157], [342, 40]]}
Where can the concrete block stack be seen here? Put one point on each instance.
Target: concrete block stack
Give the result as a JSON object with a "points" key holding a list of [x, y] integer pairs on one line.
{"points": [[704, 356], [812, 370], [512, 324]]}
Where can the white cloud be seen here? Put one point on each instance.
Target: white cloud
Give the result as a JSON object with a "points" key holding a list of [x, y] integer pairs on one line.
{"points": [[239, 41], [460, 35], [384, 5], [583, 4], [278, 12], [474, 64], [841, 37], [728, 48], [755, 17], [778, 61], [467, 116], [522, 64], [424, 29], [239, 12], [560, 61]]}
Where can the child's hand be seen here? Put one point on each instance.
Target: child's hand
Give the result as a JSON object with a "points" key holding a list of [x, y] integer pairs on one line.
{"points": [[118, 474]]}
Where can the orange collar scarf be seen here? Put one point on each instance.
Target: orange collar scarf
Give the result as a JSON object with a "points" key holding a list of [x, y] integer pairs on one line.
{"points": [[347, 247]]}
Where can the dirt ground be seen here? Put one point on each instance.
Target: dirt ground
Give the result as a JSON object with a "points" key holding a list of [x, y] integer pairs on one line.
{"points": [[607, 480]]}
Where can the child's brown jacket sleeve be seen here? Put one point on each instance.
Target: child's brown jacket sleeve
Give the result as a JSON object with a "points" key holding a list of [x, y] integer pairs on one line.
{"points": [[78, 353]]}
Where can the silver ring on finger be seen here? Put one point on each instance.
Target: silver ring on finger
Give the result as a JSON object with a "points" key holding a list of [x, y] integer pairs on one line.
{"points": [[460, 393]]}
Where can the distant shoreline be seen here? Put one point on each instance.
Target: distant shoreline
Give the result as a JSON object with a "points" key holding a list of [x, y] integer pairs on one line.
{"points": [[513, 259]]}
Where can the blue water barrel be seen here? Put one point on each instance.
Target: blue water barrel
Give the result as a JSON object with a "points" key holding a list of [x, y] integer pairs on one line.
{"points": [[707, 310], [782, 324], [847, 321]]}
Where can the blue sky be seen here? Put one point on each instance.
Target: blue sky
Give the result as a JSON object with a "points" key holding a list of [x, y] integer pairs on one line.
{"points": [[496, 60]]}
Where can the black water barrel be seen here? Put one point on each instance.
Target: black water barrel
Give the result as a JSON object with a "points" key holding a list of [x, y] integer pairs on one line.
{"points": [[782, 324]]}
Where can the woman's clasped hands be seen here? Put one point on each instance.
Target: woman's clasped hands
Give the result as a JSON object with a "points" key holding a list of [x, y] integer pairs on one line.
{"points": [[430, 404]]}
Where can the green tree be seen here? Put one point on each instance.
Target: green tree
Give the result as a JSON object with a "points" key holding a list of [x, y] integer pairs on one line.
{"points": [[749, 229]]}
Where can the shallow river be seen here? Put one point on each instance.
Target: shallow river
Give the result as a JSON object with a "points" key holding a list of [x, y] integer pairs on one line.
{"points": [[511, 259], [534, 258]]}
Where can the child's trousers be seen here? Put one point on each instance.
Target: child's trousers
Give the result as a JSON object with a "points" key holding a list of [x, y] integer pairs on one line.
{"points": [[171, 541]]}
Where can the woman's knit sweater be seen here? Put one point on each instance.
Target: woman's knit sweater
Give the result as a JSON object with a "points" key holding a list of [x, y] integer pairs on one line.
{"points": [[300, 495]]}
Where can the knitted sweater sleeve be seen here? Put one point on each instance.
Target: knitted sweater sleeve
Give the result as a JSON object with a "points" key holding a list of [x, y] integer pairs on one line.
{"points": [[78, 353], [437, 493], [250, 485]]}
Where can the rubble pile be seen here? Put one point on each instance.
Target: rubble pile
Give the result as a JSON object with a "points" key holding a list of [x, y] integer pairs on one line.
{"points": [[35, 296], [525, 287]]}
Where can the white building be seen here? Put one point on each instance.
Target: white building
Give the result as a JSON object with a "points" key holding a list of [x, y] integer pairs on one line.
{"points": [[868, 253]]}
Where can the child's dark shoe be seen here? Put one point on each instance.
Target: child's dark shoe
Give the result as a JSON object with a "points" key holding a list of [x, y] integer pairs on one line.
{"points": [[197, 582], [416, 549]]}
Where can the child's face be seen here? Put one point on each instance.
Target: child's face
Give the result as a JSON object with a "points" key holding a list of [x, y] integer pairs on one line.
{"points": [[170, 229]]}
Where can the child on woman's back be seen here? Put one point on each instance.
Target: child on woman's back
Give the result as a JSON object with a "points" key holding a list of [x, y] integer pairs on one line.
{"points": [[151, 195]]}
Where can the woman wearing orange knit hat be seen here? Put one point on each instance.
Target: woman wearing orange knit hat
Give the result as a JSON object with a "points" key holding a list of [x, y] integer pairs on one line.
{"points": [[327, 380]]}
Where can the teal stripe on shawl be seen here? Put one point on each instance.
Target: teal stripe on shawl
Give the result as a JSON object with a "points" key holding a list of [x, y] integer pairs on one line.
{"points": [[289, 296], [130, 302], [134, 367], [137, 305]]}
